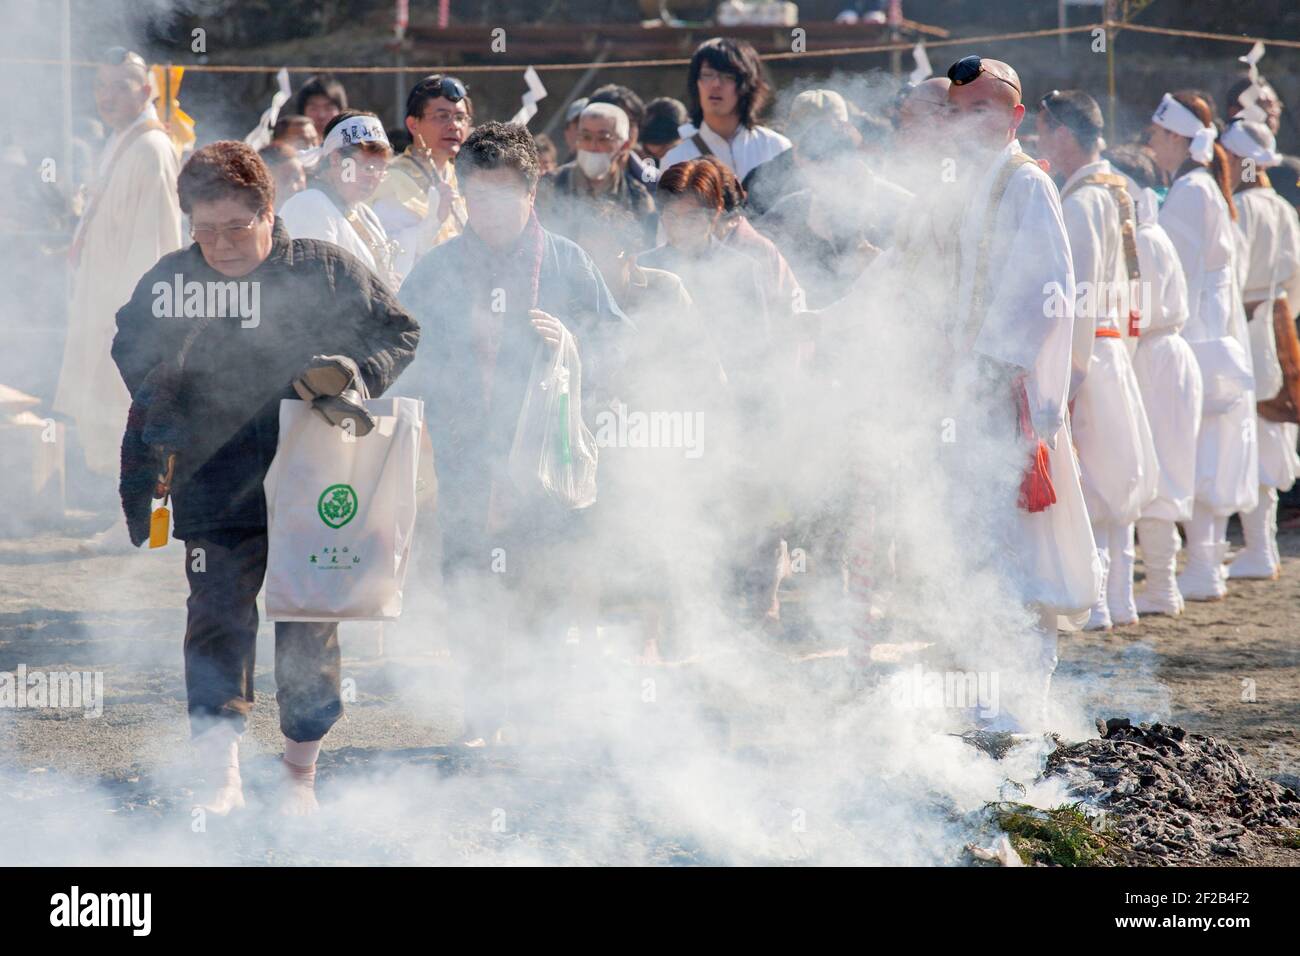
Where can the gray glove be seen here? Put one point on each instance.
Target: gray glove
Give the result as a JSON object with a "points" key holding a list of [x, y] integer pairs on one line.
{"points": [[335, 388]]}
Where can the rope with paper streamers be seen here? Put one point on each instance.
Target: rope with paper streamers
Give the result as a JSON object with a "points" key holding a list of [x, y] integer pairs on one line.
{"points": [[1112, 25]]}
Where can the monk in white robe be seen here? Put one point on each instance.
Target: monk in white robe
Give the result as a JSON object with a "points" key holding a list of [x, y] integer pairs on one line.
{"points": [[1198, 215], [1170, 380], [1015, 313], [131, 220], [1116, 454], [1269, 272]]}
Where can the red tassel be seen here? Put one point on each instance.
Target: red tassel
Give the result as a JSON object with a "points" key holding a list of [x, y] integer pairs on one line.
{"points": [[1036, 490], [1134, 323]]}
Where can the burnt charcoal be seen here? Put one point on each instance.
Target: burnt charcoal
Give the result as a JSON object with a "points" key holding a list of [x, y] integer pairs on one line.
{"points": [[1174, 797]]}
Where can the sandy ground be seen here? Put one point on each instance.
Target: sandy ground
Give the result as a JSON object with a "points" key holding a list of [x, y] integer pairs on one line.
{"points": [[114, 789]]}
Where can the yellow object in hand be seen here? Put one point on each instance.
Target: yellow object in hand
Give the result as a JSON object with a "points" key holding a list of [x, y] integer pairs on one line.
{"points": [[159, 525]]}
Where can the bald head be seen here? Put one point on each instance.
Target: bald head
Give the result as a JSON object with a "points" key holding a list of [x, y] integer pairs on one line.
{"points": [[1010, 79], [919, 110], [934, 90], [987, 110]]}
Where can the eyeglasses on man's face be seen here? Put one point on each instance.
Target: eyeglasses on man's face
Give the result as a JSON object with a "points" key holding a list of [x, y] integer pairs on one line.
{"points": [[711, 76], [445, 117]]}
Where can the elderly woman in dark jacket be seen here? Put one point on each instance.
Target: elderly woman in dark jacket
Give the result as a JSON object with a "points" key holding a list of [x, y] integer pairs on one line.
{"points": [[213, 338]]}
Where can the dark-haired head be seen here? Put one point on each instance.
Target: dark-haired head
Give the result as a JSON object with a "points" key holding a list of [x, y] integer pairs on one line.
{"points": [[498, 169], [733, 69], [321, 98], [1077, 112], [439, 114], [295, 130], [1137, 164], [497, 145]]}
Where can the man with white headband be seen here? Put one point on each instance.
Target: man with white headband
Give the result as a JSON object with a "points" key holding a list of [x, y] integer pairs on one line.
{"points": [[129, 221], [1198, 214], [1116, 455], [1170, 381], [1269, 272], [346, 171]]}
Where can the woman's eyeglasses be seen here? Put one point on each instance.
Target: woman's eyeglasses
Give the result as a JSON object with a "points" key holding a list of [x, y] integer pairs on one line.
{"points": [[206, 235]]}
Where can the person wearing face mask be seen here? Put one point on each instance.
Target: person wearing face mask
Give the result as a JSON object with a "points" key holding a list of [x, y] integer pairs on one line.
{"points": [[347, 169], [597, 175], [206, 391], [1111, 433], [129, 220]]}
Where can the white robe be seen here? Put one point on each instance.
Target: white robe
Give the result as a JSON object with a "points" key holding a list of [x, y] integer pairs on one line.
{"points": [[1166, 369], [745, 150], [136, 221], [1270, 268], [311, 214], [1055, 560], [1117, 457], [1227, 453]]}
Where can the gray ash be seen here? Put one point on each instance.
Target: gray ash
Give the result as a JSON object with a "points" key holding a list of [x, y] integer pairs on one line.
{"points": [[1176, 797]]}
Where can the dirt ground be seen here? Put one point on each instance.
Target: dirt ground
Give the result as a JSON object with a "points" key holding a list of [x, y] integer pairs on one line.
{"points": [[1229, 669]]}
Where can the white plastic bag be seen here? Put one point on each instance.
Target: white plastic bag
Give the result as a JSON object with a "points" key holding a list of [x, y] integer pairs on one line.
{"points": [[554, 452], [340, 514]]}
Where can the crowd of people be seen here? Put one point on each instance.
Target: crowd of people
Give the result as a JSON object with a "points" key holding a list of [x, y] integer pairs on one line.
{"points": [[1120, 318]]}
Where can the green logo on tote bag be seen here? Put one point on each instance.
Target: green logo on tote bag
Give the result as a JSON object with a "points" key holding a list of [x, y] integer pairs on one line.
{"points": [[337, 505]]}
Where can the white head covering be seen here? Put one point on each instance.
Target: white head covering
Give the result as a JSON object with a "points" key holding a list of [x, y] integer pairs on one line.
{"points": [[1253, 141], [355, 129], [1177, 118]]}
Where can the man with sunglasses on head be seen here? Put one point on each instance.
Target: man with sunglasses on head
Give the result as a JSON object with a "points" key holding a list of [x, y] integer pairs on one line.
{"points": [[129, 221], [1002, 251], [419, 202], [1117, 454]]}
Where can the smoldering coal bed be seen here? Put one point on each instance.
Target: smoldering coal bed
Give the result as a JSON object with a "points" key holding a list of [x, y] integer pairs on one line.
{"points": [[1152, 795]]}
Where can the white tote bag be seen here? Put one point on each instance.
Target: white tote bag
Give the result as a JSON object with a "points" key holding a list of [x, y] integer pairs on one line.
{"points": [[340, 514]]}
